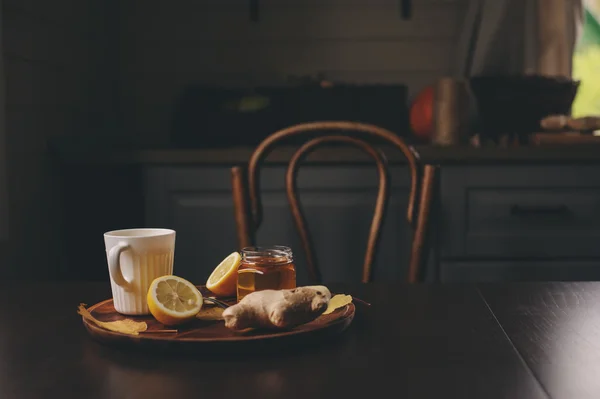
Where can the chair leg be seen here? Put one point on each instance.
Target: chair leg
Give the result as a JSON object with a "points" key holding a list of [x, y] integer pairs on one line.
{"points": [[241, 208], [419, 247]]}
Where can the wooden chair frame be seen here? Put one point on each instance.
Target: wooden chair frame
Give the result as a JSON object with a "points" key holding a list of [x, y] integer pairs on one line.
{"points": [[248, 207]]}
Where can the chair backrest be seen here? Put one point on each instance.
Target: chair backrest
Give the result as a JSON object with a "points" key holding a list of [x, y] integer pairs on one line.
{"points": [[246, 189]]}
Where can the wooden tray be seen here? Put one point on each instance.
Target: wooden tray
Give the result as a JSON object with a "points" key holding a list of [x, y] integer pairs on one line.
{"points": [[212, 336]]}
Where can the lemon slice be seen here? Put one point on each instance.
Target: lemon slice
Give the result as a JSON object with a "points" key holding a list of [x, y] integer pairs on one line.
{"points": [[223, 280], [173, 300]]}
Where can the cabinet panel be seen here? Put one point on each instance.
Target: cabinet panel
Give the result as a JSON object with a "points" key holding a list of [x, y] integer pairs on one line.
{"points": [[338, 203], [339, 222], [205, 231], [197, 204]]}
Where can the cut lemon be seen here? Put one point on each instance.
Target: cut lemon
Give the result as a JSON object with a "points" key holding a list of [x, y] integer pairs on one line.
{"points": [[223, 280], [173, 300]]}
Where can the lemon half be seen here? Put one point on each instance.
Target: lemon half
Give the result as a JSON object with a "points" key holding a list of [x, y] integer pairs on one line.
{"points": [[223, 280], [173, 300]]}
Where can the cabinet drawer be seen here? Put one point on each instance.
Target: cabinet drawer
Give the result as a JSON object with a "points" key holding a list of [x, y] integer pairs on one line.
{"points": [[527, 212], [532, 222]]}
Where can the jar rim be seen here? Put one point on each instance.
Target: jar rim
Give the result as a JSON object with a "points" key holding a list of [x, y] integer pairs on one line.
{"points": [[269, 251]]}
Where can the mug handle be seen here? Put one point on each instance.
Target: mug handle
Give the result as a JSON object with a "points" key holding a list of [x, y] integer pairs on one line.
{"points": [[114, 264]]}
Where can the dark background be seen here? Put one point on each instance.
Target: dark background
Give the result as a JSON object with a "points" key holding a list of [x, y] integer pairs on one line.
{"points": [[87, 79], [107, 72]]}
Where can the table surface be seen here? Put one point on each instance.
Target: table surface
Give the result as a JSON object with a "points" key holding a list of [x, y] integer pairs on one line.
{"points": [[527, 340]]}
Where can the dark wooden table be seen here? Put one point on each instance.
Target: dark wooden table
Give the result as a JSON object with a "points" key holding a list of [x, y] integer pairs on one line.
{"points": [[415, 341]]}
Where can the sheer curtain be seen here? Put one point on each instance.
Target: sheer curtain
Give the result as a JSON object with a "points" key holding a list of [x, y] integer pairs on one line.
{"points": [[519, 36], [3, 141]]}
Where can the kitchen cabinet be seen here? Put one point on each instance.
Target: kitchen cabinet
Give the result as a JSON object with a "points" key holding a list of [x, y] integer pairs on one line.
{"points": [[502, 215], [518, 222], [338, 202]]}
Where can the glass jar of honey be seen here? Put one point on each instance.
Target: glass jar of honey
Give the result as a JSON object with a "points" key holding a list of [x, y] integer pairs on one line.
{"points": [[265, 268]]}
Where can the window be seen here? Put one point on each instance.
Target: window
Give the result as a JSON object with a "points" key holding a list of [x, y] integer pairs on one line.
{"points": [[586, 63]]}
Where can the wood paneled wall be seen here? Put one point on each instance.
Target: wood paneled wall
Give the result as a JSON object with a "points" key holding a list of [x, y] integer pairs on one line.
{"points": [[165, 47]]}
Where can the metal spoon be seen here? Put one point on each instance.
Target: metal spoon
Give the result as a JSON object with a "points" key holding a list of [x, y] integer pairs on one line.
{"points": [[214, 301]]}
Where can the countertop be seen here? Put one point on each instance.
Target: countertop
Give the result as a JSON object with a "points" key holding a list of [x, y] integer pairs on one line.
{"points": [[240, 155]]}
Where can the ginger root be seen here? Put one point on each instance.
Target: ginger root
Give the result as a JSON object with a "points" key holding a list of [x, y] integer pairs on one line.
{"points": [[278, 308]]}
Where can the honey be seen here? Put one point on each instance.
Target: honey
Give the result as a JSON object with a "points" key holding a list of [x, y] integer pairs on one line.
{"points": [[265, 268]]}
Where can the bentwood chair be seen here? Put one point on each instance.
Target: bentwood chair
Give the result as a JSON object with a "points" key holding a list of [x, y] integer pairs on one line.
{"points": [[247, 199]]}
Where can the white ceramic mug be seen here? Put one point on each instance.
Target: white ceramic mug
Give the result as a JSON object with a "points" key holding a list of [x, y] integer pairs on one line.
{"points": [[135, 258]]}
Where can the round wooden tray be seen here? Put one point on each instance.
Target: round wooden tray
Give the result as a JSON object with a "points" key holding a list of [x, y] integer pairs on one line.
{"points": [[212, 336]]}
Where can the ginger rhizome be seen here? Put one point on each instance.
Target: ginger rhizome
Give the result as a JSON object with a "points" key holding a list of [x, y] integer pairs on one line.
{"points": [[278, 308]]}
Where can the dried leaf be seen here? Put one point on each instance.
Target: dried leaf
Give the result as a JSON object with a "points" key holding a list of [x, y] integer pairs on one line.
{"points": [[126, 326], [210, 313], [338, 301]]}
